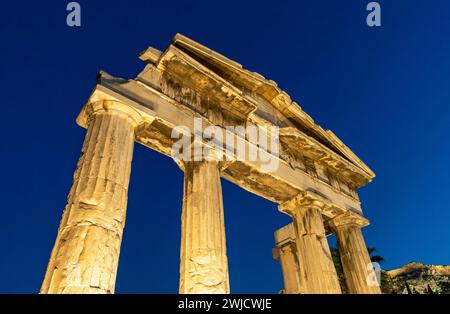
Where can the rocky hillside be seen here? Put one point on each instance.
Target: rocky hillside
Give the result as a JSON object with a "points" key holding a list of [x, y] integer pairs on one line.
{"points": [[417, 278]]}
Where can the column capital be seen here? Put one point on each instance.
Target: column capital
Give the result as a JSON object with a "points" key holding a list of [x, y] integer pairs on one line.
{"points": [[348, 219], [288, 247], [196, 154], [110, 106], [303, 200], [182, 163]]}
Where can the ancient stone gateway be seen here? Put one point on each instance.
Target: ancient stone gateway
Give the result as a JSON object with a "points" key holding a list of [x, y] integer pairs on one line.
{"points": [[314, 181]]}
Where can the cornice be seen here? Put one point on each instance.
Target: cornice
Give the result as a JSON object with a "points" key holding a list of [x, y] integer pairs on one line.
{"points": [[177, 64], [299, 142]]}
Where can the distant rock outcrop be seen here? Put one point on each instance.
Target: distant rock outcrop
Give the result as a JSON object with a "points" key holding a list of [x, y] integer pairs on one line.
{"points": [[417, 278]]}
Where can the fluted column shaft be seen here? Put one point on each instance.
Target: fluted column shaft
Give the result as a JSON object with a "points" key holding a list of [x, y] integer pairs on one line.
{"points": [[204, 263], [355, 259], [317, 268], [86, 252], [317, 271]]}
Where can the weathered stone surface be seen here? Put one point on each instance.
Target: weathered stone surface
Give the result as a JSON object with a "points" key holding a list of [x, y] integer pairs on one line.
{"points": [[278, 186], [85, 256], [286, 253], [204, 264], [261, 88], [317, 272], [316, 177], [359, 274]]}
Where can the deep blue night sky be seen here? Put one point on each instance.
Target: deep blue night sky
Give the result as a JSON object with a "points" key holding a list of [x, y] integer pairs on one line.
{"points": [[384, 91]]}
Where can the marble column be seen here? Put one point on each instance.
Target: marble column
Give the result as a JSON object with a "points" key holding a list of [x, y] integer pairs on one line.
{"points": [[85, 256], [204, 263], [317, 270], [359, 275]]}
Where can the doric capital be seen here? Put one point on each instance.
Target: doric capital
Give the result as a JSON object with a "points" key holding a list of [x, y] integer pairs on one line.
{"points": [[110, 106], [283, 250], [195, 153], [276, 253], [302, 200], [114, 106], [348, 219]]}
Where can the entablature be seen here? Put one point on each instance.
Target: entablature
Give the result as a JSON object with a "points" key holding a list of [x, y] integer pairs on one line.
{"points": [[162, 114], [209, 72]]}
